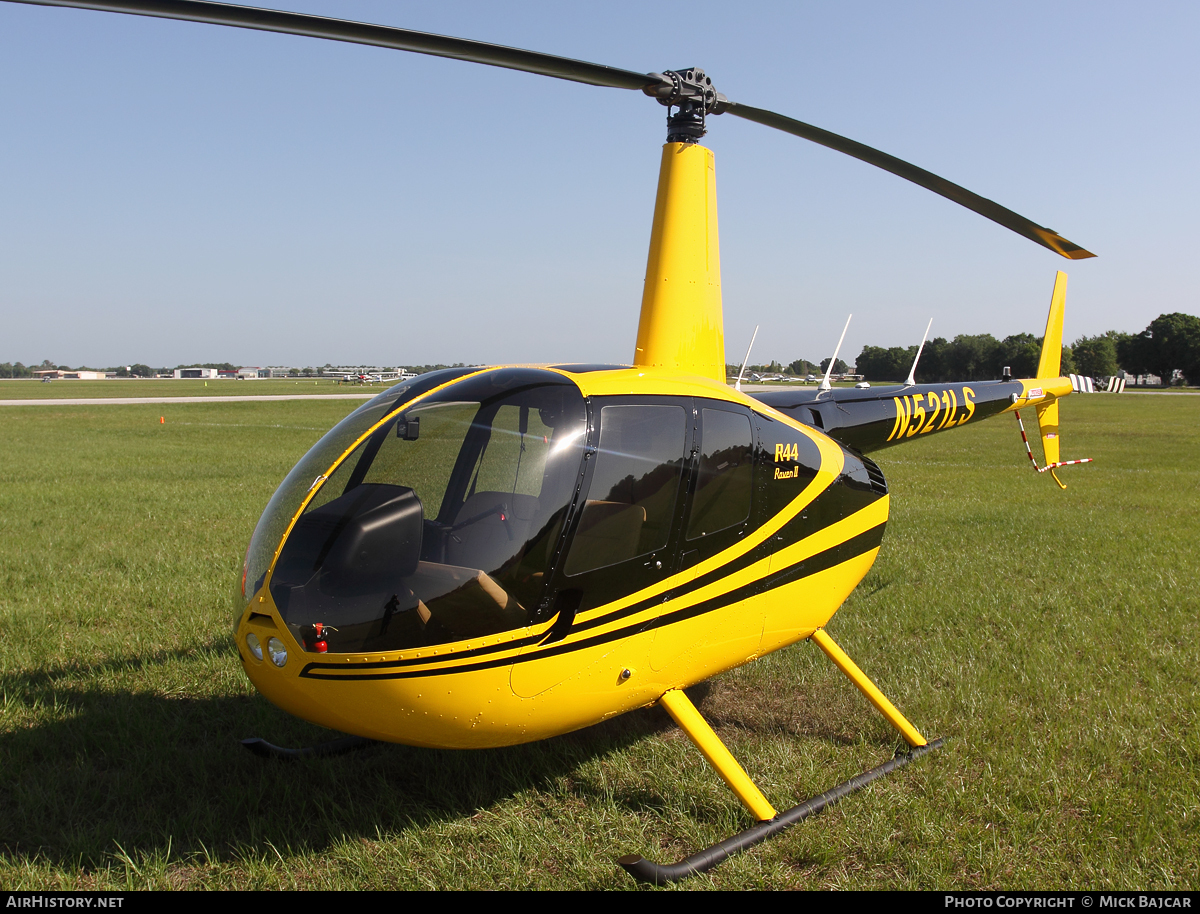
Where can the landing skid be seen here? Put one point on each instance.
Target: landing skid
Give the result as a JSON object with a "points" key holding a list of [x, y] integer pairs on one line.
{"points": [[263, 749], [647, 871], [770, 822]]}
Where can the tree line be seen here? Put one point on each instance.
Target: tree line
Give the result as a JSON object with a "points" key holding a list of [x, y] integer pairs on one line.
{"points": [[1171, 343]]}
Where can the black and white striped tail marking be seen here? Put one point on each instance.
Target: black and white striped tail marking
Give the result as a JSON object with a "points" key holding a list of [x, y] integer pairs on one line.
{"points": [[1084, 385], [1033, 460]]}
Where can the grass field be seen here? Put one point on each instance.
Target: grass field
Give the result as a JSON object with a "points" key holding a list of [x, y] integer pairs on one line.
{"points": [[1051, 635]]}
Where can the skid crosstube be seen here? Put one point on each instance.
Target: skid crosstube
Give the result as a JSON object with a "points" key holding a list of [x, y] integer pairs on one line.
{"points": [[647, 871], [684, 713]]}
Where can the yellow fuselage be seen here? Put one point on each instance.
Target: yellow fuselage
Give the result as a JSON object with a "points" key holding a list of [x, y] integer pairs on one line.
{"points": [[764, 592]]}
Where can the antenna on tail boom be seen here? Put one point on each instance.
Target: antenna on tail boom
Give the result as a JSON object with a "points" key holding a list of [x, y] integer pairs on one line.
{"points": [[825, 385], [912, 372], [738, 383]]}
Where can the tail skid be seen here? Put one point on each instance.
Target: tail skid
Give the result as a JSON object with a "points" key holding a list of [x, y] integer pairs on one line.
{"points": [[1050, 467]]}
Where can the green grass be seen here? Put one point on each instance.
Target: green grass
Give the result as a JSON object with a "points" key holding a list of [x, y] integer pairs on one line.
{"points": [[1051, 635]]}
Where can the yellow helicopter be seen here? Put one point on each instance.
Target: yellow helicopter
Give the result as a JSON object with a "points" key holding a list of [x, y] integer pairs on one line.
{"points": [[482, 557]]}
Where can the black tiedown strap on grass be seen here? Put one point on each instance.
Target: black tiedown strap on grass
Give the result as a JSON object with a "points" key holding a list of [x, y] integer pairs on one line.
{"points": [[644, 870], [261, 747]]}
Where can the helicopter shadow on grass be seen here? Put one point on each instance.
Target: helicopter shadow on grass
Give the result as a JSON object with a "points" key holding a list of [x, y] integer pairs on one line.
{"points": [[94, 766], [101, 766]]}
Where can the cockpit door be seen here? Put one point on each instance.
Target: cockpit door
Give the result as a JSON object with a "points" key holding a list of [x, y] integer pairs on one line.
{"points": [[625, 533]]}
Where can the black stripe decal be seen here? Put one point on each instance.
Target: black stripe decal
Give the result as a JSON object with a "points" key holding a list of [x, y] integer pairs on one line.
{"points": [[827, 508], [793, 530], [418, 661], [822, 561]]}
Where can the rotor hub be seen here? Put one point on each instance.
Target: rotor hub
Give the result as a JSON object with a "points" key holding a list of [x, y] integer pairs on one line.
{"points": [[692, 92]]}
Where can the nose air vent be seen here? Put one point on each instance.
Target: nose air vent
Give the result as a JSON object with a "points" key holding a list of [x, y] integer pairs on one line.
{"points": [[878, 483]]}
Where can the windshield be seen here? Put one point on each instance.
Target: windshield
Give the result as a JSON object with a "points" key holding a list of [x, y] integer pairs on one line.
{"points": [[291, 492], [442, 524]]}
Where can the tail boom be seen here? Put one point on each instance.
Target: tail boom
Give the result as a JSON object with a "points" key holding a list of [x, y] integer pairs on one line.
{"points": [[879, 417]]}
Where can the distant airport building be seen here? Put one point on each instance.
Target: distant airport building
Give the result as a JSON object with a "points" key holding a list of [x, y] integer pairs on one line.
{"points": [[195, 373], [383, 374], [56, 374]]}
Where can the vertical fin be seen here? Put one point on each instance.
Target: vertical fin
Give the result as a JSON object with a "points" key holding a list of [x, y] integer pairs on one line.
{"points": [[1049, 366], [1051, 362]]}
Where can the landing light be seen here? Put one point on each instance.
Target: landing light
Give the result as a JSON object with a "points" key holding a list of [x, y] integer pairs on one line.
{"points": [[277, 651], [255, 645]]}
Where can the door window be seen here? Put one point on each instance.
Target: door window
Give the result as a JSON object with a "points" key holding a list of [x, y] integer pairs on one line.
{"points": [[635, 483]]}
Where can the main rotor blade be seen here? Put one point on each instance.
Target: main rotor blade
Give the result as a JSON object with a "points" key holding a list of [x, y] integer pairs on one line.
{"points": [[960, 195], [580, 71], [383, 36]]}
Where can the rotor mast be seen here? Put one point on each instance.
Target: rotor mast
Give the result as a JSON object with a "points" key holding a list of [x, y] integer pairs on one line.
{"points": [[681, 324]]}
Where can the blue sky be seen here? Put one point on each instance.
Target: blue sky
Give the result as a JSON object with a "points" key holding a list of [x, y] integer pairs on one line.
{"points": [[171, 192]]}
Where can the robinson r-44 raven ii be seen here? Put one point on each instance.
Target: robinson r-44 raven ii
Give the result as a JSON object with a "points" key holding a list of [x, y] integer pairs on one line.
{"points": [[482, 557]]}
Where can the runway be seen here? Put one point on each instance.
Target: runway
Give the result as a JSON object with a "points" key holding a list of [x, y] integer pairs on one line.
{"points": [[136, 401]]}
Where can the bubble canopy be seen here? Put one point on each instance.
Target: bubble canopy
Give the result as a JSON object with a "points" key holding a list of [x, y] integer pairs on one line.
{"points": [[431, 514]]}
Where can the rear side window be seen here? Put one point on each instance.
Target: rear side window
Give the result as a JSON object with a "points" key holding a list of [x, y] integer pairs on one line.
{"points": [[725, 473]]}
